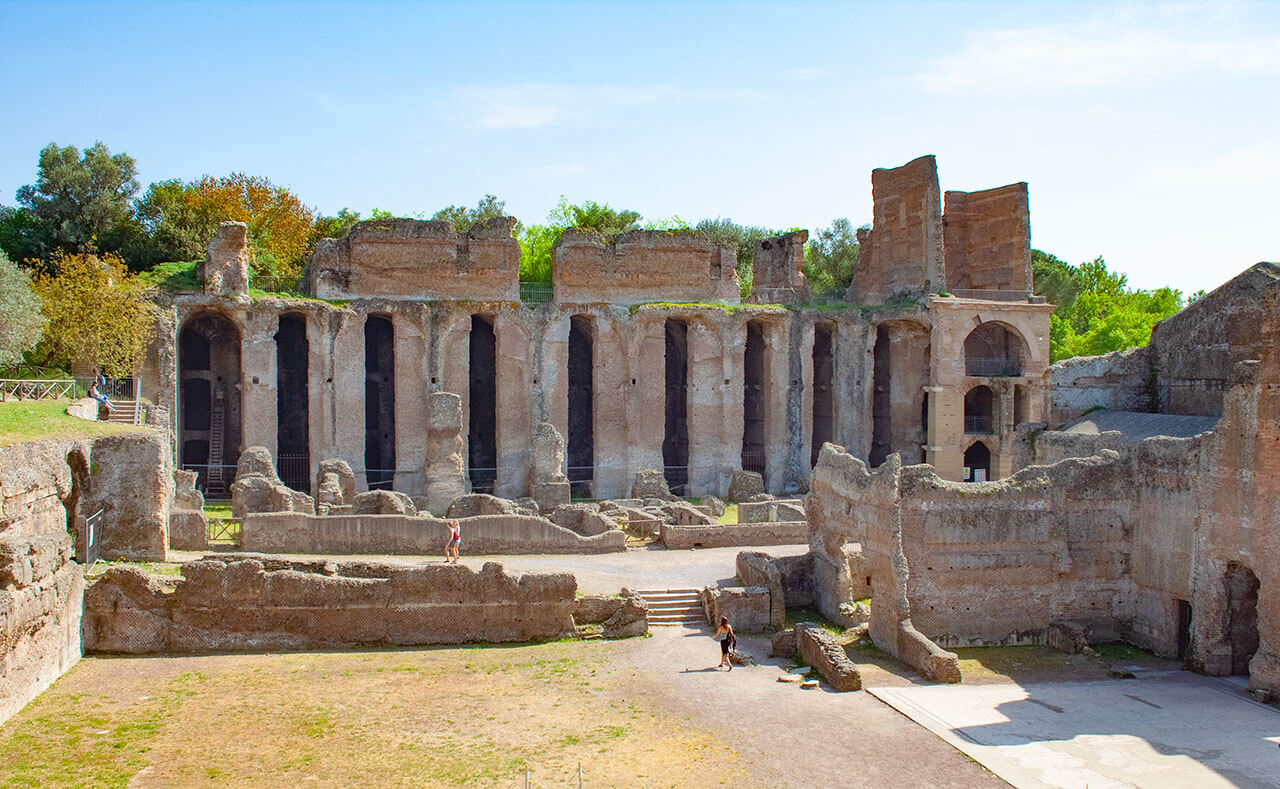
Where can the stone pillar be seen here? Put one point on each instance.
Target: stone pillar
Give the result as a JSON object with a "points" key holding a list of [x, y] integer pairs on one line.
{"points": [[225, 268], [612, 391], [782, 429], [258, 379], [646, 405], [553, 376], [549, 485], [453, 341], [444, 473], [412, 383], [514, 429], [346, 371], [710, 438]]}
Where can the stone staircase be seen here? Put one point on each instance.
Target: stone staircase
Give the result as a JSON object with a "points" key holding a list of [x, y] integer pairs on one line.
{"points": [[674, 606], [124, 412]]}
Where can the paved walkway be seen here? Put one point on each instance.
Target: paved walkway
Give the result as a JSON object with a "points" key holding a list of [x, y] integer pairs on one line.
{"points": [[1164, 730]]}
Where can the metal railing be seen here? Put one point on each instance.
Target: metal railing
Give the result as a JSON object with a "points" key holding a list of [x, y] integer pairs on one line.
{"points": [[220, 485], [31, 389], [535, 293], [92, 538], [380, 478], [993, 368], [276, 284], [753, 460], [677, 478], [295, 471], [580, 480], [482, 478], [226, 532], [977, 424]]}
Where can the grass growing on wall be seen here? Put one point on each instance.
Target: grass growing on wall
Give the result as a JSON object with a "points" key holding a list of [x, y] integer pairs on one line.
{"points": [[33, 420]]}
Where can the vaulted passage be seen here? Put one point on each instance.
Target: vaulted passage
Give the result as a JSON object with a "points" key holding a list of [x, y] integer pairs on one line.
{"points": [[293, 447], [753, 400], [977, 463], [978, 409], [675, 441], [899, 415], [823, 410], [1242, 609], [209, 371], [581, 439], [379, 402], [482, 434]]}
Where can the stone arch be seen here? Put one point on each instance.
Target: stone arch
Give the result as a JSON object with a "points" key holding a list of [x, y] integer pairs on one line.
{"points": [[899, 377], [994, 349], [978, 460], [210, 401], [981, 404]]}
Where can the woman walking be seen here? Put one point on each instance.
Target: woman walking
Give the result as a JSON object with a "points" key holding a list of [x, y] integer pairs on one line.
{"points": [[455, 540], [727, 642]]}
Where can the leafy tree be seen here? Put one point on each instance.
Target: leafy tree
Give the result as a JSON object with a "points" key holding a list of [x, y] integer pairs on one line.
{"points": [[177, 219], [830, 258], [538, 241], [1105, 314], [279, 224], [23, 236], [78, 197], [335, 226], [464, 218], [728, 233], [1055, 279], [21, 322], [97, 311]]}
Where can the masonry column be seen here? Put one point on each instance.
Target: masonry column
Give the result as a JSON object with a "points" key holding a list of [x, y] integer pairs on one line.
{"points": [[646, 402], [514, 429], [412, 383], [320, 329], [451, 370], [611, 394], [706, 399], [346, 375], [258, 376], [553, 375]]}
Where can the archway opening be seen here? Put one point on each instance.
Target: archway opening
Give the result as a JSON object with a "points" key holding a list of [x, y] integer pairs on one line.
{"points": [[993, 350], [979, 405], [379, 402], [675, 440], [211, 411], [900, 373], [977, 463], [580, 444], [753, 400], [482, 425], [822, 428], [293, 445], [1242, 612]]}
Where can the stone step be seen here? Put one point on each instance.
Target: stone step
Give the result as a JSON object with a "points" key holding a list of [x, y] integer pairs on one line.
{"points": [[674, 606]]}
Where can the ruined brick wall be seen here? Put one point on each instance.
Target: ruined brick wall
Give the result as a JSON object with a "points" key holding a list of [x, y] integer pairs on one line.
{"points": [[258, 603], [1194, 352], [1120, 381], [413, 259], [727, 535], [902, 255], [778, 270], [987, 239], [295, 532], [641, 266]]}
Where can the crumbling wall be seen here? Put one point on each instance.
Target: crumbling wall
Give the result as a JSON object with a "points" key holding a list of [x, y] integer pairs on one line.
{"points": [[777, 272], [643, 265], [986, 238], [225, 268], [1119, 381], [902, 255], [731, 534], [414, 259], [258, 603]]}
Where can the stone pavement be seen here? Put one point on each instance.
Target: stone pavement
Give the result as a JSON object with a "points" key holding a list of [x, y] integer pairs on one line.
{"points": [[1166, 729]]}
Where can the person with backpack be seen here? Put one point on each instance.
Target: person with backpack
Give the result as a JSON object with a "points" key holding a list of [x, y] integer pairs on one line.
{"points": [[724, 634]]}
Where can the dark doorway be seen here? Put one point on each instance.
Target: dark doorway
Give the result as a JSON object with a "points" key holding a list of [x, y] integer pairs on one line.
{"points": [[675, 441], [1184, 627], [482, 429], [581, 440], [209, 372], [977, 463], [823, 371], [379, 402], [992, 350], [900, 373], [1242, 610], [293, 446], [1019, 404], [753, 401], [978, 407]]}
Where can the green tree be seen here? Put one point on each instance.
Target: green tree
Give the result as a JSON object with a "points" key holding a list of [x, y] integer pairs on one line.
{"points": [[537, 242], [178, 222], [830, 258], [21, 322], [1056, 280], [23, 236], [334, 226], [79, 198], [743, 238], [97, 312], [464, 218]]}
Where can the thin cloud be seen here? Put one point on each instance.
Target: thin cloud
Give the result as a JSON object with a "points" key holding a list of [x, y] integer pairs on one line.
{"points": [[1093, 54], [811, 73], [535, 105]]}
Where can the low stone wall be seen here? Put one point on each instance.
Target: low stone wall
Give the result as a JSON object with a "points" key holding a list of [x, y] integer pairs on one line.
{"points": [[256, 603], [292, 532], [620, 616], [819, 649], [747, 607], [41, 589], [730, 535], [758, 569]]}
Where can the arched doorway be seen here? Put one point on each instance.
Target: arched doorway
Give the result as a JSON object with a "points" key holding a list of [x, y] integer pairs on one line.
{"points": [[977, 463], [993, 350], [210, 406], [979, 409]]}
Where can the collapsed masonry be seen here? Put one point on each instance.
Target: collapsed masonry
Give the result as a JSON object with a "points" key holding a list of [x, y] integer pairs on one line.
{"points": [[643, 357]]}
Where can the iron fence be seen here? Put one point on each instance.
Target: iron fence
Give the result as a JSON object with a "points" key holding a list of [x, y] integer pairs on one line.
{"points": [[276, 284], [992, 368], [991, 295], [32, 389], [580, 479], [677, 478], [483, 479], [753, 460], [295, 471], [977, 424], [535, 293], [92, 538], [212, 479]]}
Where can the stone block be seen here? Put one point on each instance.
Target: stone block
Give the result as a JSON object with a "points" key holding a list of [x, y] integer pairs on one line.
{"points": [[188, 530], [747, 607], [225, 268], [472, 504], [344, 480], [745, 484], [383, 502], [650, 484], [549, 495], [819, 649]]}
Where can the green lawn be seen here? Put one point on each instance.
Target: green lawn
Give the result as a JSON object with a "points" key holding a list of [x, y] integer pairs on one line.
{"points": [[33, 420]]}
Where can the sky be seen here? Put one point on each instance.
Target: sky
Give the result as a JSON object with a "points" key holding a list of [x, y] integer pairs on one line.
{"points": [[1149, 133]]}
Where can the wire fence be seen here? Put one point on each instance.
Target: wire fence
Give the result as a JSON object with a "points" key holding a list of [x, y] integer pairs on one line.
{"points": [[277, 284], [977, 424], [535, 293], [483, 478], [580, 480], [295, 471], [992, 368]]}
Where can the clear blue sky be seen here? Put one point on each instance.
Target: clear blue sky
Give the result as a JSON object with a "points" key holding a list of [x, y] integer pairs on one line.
{"points": [[1149, 133]]}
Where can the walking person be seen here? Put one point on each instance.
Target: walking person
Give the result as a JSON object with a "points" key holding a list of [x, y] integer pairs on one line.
{"points": [[724, 634], [455, 540]]}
